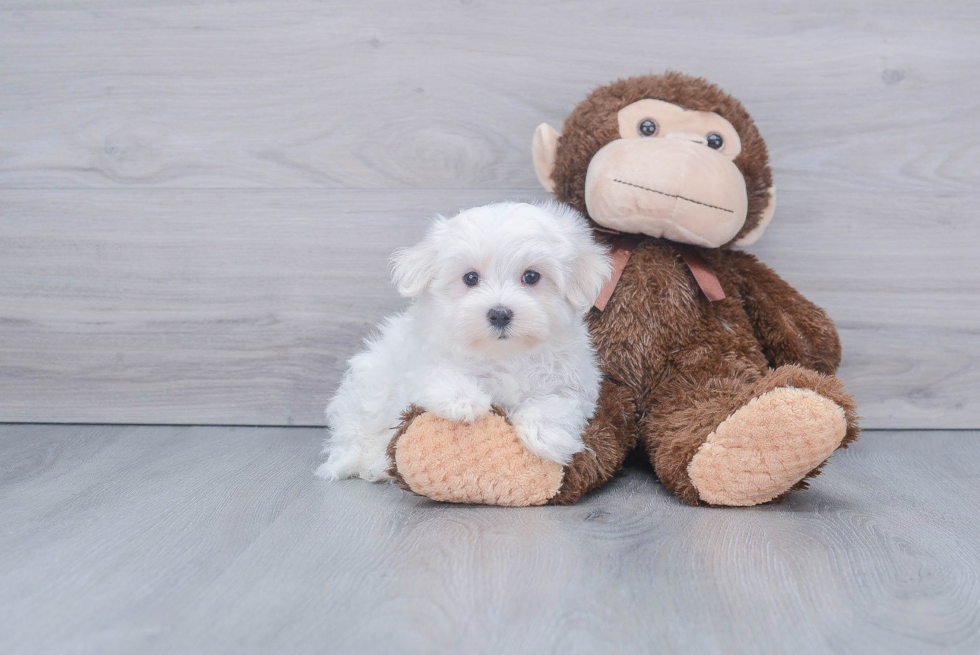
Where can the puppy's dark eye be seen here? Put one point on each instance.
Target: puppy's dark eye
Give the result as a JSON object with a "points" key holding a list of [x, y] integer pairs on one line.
{"points": [[647, 127], [715, 141], [531, 277], [471, 279]]}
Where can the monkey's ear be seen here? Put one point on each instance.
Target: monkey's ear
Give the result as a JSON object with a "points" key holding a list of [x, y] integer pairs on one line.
{"points": [[543, 149], [413, 269], [753, 235]]}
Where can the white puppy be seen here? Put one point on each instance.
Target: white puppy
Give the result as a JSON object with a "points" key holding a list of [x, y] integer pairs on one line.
{"points": [[500, 296]]}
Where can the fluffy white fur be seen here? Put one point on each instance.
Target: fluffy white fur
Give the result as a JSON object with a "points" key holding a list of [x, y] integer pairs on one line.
{"points": [[443, 354]]}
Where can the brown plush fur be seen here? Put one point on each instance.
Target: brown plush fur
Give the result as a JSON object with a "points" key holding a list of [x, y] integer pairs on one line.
{"points": [[677, 365], [689, 363], [408, 416]]}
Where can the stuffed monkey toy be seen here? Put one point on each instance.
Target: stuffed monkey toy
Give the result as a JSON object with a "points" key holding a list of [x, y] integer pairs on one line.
{"points": [[720, 372]]}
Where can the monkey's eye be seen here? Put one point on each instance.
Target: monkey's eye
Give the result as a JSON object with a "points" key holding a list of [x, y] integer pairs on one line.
{"points": [[715, 141], [471, 279], [531, 277], [647, 127]]}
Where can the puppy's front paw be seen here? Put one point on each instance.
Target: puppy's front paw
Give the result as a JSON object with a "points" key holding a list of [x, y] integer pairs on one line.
{"points": [[461, 408], [453, 396], [549, 441]]}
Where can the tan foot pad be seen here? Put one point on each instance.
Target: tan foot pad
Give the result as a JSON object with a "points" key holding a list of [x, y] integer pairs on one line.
{"points": [[766, 447], [483, 462]]}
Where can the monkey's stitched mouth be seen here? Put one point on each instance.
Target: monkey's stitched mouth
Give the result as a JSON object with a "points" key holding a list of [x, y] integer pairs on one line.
{"points": [[671, 195]]}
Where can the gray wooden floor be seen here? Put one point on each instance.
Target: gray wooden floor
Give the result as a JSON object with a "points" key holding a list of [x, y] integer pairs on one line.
{"points": [[162, 539]]}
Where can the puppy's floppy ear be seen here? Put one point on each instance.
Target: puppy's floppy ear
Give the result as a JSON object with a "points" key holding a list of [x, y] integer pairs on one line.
{"points": [[590, 264], [412, 269], [590, 270]]}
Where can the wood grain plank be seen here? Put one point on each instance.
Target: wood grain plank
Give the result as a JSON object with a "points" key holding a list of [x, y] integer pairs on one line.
{"points": [[219, 540], [232, 307], [877, 96], [193, 307], [240, 306]]}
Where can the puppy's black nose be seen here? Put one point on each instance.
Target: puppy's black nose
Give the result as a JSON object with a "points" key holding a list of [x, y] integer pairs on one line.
{"points": [[499, 317]]}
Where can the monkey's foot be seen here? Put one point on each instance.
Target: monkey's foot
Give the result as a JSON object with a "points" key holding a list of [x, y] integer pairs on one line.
{"points": [[767, 446], [480, 462]]}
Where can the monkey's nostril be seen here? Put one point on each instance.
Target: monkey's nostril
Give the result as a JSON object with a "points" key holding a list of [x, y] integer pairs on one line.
{"points": [[499, 317]]}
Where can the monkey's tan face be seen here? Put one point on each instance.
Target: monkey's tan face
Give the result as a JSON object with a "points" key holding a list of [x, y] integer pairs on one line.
{"points": [[670, 174]]}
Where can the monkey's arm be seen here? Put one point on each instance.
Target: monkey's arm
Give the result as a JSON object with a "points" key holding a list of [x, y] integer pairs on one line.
{"points": [[791, 329]]}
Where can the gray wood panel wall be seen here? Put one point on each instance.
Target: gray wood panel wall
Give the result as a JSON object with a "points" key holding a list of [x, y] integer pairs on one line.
{"points": [[197, 200]]}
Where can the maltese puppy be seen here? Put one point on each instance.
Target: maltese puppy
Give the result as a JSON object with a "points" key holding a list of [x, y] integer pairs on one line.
{"points": [[500, 293]]}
